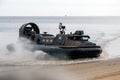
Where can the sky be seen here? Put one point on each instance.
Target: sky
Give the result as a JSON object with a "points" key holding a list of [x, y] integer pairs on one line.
{"points": [[59, 7]]}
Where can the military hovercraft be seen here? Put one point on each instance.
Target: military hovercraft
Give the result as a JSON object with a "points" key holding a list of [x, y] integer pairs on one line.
{"points": [[70, 46]]}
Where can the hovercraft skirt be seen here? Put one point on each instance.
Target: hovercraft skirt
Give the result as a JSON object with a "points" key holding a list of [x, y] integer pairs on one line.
{"points": [[71, 53]]}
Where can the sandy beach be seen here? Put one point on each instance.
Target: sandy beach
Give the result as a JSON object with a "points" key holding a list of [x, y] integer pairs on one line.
{"points": [[103, 70], [96, 70]]}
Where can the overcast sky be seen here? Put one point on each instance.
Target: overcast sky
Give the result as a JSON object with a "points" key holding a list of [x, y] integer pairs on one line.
{"points": [[59, 7]]}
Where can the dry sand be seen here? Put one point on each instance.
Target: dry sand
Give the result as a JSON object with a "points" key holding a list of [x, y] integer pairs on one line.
{"points": [[97, 70]]}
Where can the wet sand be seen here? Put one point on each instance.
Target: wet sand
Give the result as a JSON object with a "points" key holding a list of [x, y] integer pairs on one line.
{"points": [[96, 70], [103, 70]]}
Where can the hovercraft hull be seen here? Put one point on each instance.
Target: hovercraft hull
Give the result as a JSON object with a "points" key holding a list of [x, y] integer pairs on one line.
{"points": [[70, 52]]}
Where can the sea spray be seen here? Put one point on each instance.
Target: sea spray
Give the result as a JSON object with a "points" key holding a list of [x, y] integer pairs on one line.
{"points": [[20, 51]]}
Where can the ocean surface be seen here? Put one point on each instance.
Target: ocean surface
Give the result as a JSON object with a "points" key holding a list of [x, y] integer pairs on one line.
{"points": [[104, 31]]}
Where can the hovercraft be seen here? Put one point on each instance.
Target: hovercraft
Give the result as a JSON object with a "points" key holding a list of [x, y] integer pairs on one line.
{"points": [[70, 46]]}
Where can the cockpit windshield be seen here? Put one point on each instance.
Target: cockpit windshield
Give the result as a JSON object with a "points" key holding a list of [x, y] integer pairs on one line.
{"points": [[85, 38], [80, 38]]}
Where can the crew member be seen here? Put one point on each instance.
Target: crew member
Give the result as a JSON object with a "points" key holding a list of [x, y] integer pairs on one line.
{"points": [[61, 27]]}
